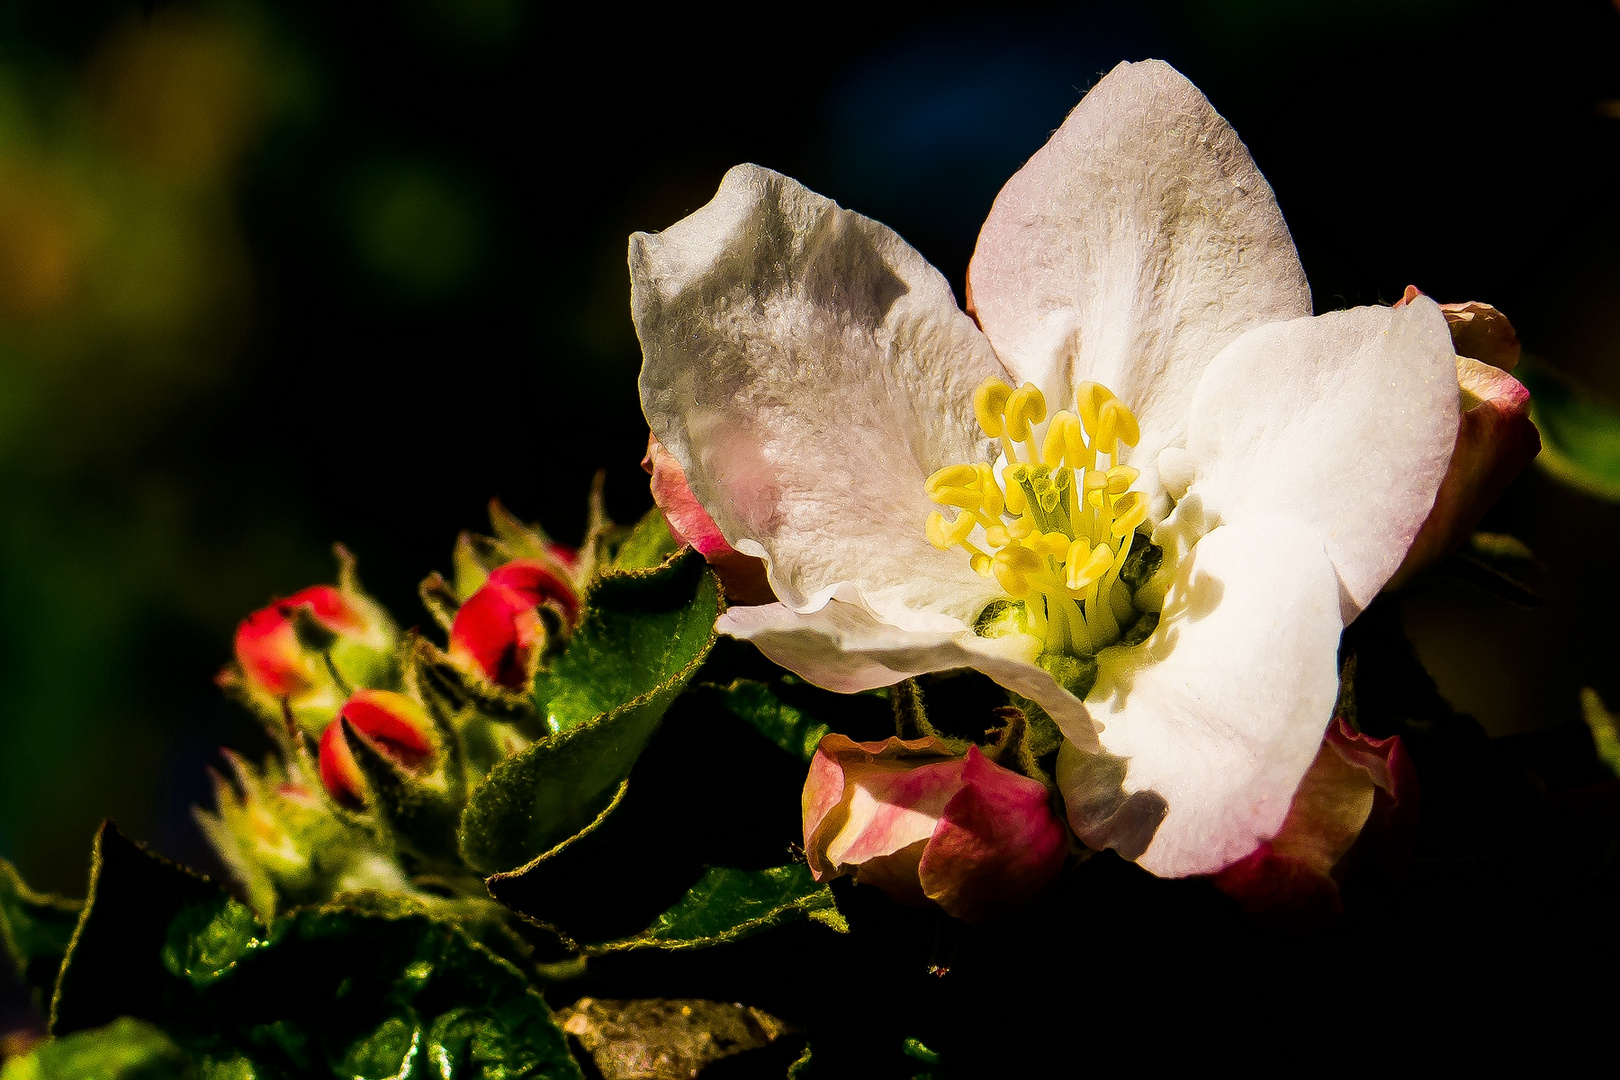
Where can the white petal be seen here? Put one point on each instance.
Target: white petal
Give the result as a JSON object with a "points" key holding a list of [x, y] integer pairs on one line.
{"points": [[1221, 711], [846, 647], [1141, 239], [1346, 421], [810, 370]]}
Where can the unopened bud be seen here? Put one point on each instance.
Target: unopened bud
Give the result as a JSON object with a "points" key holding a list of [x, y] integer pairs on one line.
{"points": [[398, 727]]}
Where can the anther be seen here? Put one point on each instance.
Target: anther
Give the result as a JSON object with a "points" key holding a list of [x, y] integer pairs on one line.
{"points": [[1012, 566], [1053, 544], [1130, 510], [1086, 566], [1120, 479], [1089, 398], [946, 535], [1026, 406], [1115, 425], [990, 405], [954, 476]]}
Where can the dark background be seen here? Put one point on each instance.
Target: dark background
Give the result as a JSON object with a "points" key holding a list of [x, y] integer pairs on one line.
{"points": [[274, 275]]}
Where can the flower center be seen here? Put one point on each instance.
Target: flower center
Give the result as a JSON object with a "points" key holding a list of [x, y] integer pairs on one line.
{"points": [[1054, 528]]}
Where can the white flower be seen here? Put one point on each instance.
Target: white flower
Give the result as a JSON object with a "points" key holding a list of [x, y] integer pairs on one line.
{"points": [[811, 373]]}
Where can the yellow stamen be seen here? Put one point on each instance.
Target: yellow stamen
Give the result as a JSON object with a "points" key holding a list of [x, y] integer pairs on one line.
{"points": [[1056, 525]]}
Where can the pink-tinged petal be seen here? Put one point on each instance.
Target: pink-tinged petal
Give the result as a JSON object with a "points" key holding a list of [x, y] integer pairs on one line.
{"points": [[1132, 247], [743, 576], [858, 801], [1495, 438], [997, 846], [1360, 793]]}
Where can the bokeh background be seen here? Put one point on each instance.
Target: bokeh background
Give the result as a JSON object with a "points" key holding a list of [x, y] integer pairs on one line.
{"points": [[278, 274]]}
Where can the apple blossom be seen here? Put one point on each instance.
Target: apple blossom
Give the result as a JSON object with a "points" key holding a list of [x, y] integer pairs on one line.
{"points": [[815, 381]]}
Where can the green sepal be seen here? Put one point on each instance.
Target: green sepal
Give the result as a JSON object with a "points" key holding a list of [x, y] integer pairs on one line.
{"points": [[330, 991], [420, 812], [487, 721], [644, 636], [1580, 432], [758, 704], [648, 544], [126, 1049], [35, 929]]}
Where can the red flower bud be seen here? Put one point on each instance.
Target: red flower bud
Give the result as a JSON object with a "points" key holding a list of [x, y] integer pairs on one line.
{"points": [[1359, 795], [393, 723], [287, 653], [928, 827], [267, 645], [499, 628]]}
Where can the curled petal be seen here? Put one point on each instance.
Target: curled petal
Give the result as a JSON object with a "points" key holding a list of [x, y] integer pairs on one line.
{"points": [[742, 575], [809, 371], [845, 647], [1359, 790], [1130, 249]]}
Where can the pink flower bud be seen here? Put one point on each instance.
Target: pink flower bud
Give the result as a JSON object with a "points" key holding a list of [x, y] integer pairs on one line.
{"points": [[1359, 795], [393, 723], [1495, 438], [742, 576], [926, 826], [499, 628]]}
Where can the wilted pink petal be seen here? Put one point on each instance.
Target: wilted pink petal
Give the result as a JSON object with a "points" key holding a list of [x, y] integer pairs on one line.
{"points": [[743, 576], [966, 834], [1360, 793], [1495, 438]]}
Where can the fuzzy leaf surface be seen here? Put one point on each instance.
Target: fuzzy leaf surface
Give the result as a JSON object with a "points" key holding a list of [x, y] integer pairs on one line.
{"points": [[644, 635], [320, 992], [648, 545], [727, 904]]}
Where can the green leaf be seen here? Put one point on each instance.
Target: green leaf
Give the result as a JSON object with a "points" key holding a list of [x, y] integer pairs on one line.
{"points": [[1580, 432], [35, 929], [644, 635], [758, 704], [727, 905], [331, 991], [126, 1049], [648, 545], [642, 630]]}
